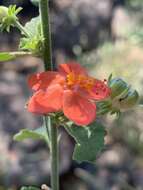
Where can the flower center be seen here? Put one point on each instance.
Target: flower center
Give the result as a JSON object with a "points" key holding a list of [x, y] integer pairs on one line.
{"points": [[81, 81]]}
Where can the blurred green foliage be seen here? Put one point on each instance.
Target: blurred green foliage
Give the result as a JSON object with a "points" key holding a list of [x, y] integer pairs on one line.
{"points": [[136, 35], [134, 3]]}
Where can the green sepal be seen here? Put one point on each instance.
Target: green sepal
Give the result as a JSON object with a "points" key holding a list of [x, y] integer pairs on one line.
{"points": [[103, 107], [130, 100], [118, 86], [6, 56], [89, 140], [37, 134]]}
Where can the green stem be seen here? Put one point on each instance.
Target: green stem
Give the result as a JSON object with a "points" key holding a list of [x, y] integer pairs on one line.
{"points": [[47, 121], [52, 141], [22, 29], [21, 53], [55, 158], [47, 57], [47, 47]]}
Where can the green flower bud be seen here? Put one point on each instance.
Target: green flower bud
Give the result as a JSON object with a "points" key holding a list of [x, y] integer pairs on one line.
{"points": [[8, 17], [130, 100], [104, 107], [118, 86], [3, 12]]}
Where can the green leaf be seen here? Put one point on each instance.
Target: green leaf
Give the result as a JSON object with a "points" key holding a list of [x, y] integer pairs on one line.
{"points": [[6, 56], [31, 44], [33, 26], [34, 42], [89, 141], [29, 188], [24, 134]]}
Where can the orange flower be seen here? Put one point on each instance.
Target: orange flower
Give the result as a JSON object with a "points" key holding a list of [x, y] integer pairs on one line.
{"points": [[70, 89]]}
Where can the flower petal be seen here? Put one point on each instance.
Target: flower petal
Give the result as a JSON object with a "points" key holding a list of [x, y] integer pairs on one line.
{"points": [[43, 102], [43, 80], [99, 91], [78, 109], [72, 66]]}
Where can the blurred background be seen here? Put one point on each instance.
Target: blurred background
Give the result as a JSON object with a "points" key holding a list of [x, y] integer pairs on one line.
{"points": [[106, 36]]}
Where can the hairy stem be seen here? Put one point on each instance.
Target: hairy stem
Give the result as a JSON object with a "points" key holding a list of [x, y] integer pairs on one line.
{"points": [[22, 29], [47, 50], [55, 158], [47, 57], [21, 53], [47, 122]]}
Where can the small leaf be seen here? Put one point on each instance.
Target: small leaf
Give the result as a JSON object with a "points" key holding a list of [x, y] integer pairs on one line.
{"points": [[89, 141], [6, 56], [34, 42], [33, 26], [29, 188], [39, 133]]}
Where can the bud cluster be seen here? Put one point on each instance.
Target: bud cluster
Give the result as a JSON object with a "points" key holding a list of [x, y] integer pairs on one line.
{"points": [[8, 17], [122, 97]]}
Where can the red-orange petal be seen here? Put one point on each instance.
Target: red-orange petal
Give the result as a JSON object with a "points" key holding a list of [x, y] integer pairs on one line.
{"points": [[78, 109], [72, 66], [44, 102], [43, 80], [99, 91]]}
